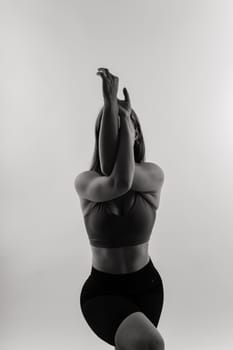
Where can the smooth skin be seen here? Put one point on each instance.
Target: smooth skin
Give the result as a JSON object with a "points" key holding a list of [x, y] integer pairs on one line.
{"points": [[136, 332], [113, 110]]}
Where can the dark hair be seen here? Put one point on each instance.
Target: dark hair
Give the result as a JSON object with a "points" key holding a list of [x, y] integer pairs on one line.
{"points": [[139, 146]]}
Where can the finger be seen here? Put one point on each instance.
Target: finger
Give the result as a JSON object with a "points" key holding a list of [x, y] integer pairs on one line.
{"points": [[114, 76], [102, 75], [105, 71], [108, 74], [126, 94]]}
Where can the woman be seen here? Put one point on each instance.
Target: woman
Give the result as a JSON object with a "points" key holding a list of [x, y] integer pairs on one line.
{"points": [[122, 298]]}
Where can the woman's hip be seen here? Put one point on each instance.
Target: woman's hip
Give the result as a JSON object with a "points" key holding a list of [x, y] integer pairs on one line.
{"points": [[145, 280]]}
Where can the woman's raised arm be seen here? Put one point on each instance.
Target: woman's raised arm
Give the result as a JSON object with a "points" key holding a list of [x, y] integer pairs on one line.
{"points": [[124, 167], [109, 128]]}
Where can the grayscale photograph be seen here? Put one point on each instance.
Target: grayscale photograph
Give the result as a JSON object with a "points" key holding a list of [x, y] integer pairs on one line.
{"points": [[116, 175]]}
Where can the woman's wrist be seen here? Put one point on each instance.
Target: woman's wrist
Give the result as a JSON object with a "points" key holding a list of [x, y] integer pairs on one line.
{"points": [[109, 102], [111, 107]]}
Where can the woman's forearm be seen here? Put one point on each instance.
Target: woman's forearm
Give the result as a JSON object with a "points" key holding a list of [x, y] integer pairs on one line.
{"points": [[108, 137], [124, 167]]}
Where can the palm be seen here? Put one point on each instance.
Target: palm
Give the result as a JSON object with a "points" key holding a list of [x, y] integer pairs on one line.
{"points": [[124, 111], [123, 104]]}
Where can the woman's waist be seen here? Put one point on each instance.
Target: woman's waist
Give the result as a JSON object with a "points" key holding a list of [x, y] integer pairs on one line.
{"points": [[120, 260], [145, 279]]}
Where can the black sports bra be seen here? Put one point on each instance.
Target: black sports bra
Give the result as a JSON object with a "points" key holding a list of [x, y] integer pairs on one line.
{"points": [[109, 230]]}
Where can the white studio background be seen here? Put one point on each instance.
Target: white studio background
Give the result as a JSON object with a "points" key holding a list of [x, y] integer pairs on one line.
{"points": [[176, 59]]}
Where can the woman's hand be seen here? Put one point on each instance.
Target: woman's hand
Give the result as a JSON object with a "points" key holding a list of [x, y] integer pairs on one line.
{"points": [[124, 105], [110, 85], [125, 111]]}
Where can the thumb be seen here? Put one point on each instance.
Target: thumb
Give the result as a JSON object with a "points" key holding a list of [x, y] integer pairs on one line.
{"points": [[126, 94]]}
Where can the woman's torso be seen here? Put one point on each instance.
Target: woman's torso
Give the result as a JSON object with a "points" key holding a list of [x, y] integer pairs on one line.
{"points": [[123, 259]]}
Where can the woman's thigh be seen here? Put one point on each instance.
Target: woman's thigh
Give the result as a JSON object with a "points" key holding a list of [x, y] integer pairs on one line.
{"points": [[151, 303], [105, 313]]}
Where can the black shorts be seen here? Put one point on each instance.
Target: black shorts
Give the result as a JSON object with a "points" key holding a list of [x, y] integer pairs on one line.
{"points": [[107, 299]]}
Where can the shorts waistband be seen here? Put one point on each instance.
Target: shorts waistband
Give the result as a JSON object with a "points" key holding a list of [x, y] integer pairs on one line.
{"points": [[102, 275]]}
